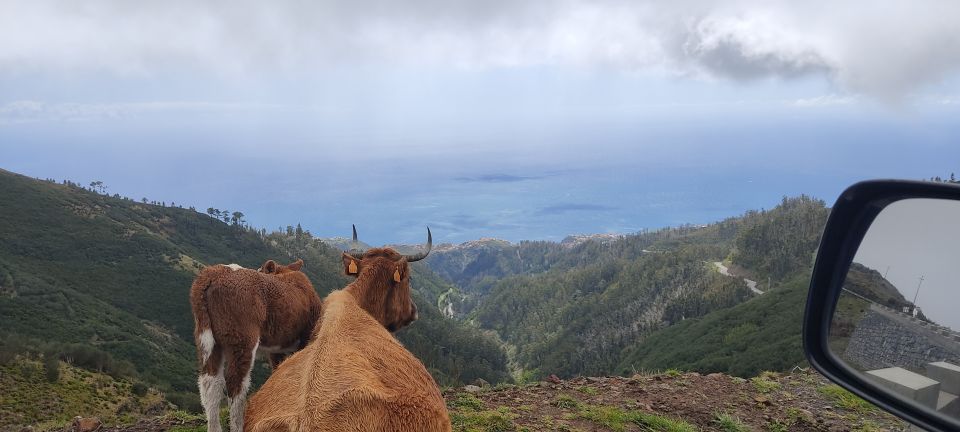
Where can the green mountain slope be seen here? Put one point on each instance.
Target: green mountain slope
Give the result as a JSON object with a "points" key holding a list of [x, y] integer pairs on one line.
{"points": [[30, 397], [476, 267], [577, 322], [780, 243], [761, 334], [113, 274], [582, 307]]}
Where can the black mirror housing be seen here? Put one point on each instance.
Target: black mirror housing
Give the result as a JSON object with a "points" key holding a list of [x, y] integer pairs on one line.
{"points": [[849, 220]]}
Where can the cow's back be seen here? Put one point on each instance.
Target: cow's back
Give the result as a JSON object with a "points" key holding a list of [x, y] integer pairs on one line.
{"points": [[289, 305], [231, 298]]}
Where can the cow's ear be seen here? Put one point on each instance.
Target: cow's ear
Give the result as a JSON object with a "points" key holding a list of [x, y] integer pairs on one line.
{"points": [[296, 266], [398, 273], [351, 265], [269, 267]]}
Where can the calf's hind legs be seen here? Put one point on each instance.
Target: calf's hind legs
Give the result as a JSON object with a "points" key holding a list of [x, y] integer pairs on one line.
{"points": [[238, 382], [212, 385]]}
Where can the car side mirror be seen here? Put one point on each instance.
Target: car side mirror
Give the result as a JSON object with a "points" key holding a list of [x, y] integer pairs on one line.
{"points": [[883, 312]]}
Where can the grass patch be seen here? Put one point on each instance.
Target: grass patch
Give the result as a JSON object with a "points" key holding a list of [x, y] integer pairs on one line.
{"points": [[764, 384], [588, 390], [198, 428], [796, 415], [610, 417], [483, 421], [728, 423], [466, 401], [565, 401], [777, 426], [660, 423], [845, 399], [673, 373], [617, 419], [467, 415]]}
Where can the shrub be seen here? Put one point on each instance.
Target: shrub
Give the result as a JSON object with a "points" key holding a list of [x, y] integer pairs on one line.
{"points": [[186, 401], [51, 366], [122, 369]]}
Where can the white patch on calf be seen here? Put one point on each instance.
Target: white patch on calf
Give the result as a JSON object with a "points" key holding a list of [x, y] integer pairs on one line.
{"points": [[234, 267], [206, 344], [212, 388]]}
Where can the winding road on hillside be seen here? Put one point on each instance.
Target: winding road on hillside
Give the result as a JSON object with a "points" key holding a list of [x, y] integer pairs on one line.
{"points": [[726, 272]]}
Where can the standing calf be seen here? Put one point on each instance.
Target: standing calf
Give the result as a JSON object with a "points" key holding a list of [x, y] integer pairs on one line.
{"points": [[236, 311]]}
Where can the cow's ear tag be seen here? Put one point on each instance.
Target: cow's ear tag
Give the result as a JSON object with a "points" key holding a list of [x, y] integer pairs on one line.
{"points": [[396, 275], [353, 267]]}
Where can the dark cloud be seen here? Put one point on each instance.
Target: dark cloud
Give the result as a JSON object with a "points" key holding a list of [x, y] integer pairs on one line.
{"points": [[559, 209], [886, 51], [730, 58]]}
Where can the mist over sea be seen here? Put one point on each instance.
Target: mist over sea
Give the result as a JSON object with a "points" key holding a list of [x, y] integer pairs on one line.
{"points": [[516, 178]]}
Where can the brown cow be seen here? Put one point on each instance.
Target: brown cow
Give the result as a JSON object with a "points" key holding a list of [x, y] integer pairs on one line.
{"points": [[354, 375], [238, 311]]}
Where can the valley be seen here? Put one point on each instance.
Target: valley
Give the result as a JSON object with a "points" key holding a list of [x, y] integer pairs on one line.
{"points": [[100, 282]]}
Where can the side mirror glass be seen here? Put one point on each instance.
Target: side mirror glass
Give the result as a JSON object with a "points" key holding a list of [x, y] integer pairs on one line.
{"points": [[884, 308], [894, 321]]}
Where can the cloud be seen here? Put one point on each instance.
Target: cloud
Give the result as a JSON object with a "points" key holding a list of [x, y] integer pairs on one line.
{"points": [[885, 52], [824, 101], [559, 209], [946, 100]]}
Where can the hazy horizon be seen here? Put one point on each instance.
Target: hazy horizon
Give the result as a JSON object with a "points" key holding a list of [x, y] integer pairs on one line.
{"points": [[518, 121]]}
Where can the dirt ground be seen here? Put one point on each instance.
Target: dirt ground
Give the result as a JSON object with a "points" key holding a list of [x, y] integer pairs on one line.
{"points": [[800, 401]]}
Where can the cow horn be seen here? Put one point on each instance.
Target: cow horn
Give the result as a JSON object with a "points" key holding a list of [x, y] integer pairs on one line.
{"points": [[422, 255], [354, 249]]}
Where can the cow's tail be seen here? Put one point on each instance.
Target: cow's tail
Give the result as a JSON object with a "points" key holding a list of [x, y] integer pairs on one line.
{"points": [[202, 332]]}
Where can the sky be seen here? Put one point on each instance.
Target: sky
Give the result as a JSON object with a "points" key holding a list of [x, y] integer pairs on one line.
{"points": [[917, 238], [510, 119]]}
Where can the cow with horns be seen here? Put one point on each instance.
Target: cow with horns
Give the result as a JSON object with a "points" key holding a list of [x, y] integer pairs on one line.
{"points": [[354, 375], [238, 312]]}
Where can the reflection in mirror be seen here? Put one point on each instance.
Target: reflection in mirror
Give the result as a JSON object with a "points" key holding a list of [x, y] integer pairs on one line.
{"points": [[897, 315]]}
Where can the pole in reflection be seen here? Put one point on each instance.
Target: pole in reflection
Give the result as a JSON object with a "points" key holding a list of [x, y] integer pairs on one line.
{"points": [[917, 295]]}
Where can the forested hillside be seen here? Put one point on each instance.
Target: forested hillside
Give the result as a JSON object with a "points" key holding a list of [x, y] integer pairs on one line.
{"points": [[590, 307], [576, 322], [103, 282], [782, 242], [477, 266], [763, 333]]}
